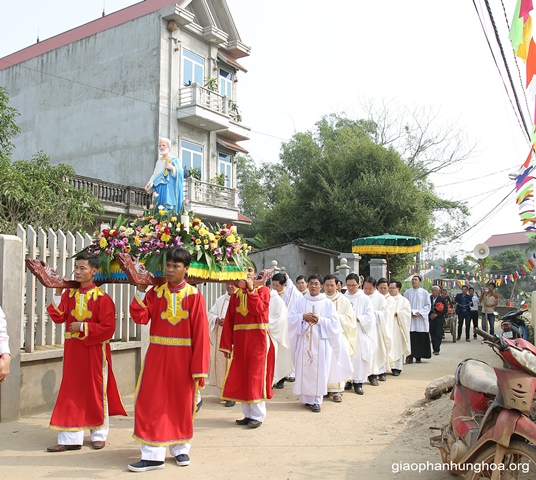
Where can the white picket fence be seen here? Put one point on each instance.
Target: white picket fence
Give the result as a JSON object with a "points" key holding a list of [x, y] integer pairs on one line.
{"points": [[57, 250]]}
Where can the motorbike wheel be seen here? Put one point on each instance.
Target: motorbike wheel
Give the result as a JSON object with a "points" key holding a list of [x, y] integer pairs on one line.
{"points": [[519, 462], [453, 329]]}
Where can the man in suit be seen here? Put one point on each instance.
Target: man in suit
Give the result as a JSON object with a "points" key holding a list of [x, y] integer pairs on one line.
{"points": [[436, 318], [464, 302]]}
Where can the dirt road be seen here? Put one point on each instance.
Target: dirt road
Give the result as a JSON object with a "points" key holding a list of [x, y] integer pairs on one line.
{"points": [[366, 437]]}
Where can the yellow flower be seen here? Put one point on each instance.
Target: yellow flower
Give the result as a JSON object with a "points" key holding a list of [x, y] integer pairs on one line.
{"points": [[122, 228], [173, 219], [145, 230], [196, 228], [230, 239], [211, 237], [197, 241], [127, 248], [165, 237], [203, 232], [205, 241], [137, 241], [213, 245], [233, 229], [96, 232], [103, 242], [162, 211], [218, 236]]}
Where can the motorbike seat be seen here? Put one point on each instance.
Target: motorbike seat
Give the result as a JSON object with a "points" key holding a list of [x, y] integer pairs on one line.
{"points": [[477, 376]]}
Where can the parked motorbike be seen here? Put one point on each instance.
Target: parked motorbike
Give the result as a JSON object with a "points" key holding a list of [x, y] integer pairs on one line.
{"points": [[514, 325], [491, 433]]}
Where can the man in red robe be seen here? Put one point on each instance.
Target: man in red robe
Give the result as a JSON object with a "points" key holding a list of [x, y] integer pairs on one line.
{"points": [[175, 366], [246, 341], [88, 391]]}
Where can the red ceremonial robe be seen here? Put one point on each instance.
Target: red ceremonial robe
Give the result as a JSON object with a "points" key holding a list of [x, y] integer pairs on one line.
{"points": [[245, 335], [177, 358], [83, 392]]}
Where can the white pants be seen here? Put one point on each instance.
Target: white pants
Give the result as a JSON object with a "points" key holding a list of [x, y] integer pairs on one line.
{"points": [[399, 364], [256, 411], [311, 399], [158, 454], [77, 438]]}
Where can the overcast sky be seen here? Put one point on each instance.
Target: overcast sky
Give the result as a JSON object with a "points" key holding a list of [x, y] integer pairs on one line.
{"points": [[310, 58]]}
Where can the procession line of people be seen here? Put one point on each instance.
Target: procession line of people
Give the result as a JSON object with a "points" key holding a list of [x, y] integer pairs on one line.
{"points": [[250, 341]]}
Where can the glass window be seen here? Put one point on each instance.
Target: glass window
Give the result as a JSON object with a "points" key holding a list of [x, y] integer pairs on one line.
{"points": [[192, 157], [225, 166], [226, 83], [192, 68]]}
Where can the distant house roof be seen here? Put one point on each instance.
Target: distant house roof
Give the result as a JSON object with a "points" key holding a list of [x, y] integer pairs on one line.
{"points": [[505, 239], [99, 25]]}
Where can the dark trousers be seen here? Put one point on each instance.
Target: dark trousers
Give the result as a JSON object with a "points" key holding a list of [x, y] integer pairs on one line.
{"points": [[467, 317], [474, 319], [436, 332]]}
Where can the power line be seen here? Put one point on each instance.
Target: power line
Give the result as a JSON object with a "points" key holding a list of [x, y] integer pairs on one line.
{"points": [[517, 113]]}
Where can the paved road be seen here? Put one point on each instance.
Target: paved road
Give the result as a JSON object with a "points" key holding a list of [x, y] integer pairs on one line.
{"points": [[360, 438]]}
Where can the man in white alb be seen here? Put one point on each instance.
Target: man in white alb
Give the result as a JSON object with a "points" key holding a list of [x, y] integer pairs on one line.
{"points": [[400, 311], [366, 342], [315, 331], [218, 362], [345, 312], [419, 333]]}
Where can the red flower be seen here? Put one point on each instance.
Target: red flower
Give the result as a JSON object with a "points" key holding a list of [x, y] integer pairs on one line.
{"points": [[115, 233], [167, 230], [106, 233]]}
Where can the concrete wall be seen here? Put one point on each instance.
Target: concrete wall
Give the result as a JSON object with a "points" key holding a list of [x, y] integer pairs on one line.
{"points": [[94, 103], [296, 261]]}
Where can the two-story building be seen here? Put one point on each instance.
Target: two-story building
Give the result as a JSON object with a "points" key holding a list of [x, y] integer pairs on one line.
{"points": [[99, 96]]}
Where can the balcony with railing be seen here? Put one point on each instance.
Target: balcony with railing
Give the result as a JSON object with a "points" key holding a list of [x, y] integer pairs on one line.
{"points": [[202, 108], [123, 199]]}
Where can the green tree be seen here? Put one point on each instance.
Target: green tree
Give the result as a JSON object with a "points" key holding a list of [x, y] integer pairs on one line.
{"points": [[453, 265], [8, 127], [334, 184], [510, 261], [33, 192]]}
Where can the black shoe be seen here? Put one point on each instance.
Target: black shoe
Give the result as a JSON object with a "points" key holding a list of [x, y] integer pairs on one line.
{"points": [[348, 386], [230, 403], [315, 408], [199, 405], [474, 336], [382, 377], [281, 384], [457, 338], [183, 460], [145, 466], [254, 423], [358, 388], [244, 421], [395, 372], [373, 380], [436, 353], [308, 404], [467, 339], [418, 360], [409, 360]]}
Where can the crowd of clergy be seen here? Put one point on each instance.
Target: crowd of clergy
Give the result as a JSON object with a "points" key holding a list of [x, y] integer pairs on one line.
{"points": [[329, 338]]}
